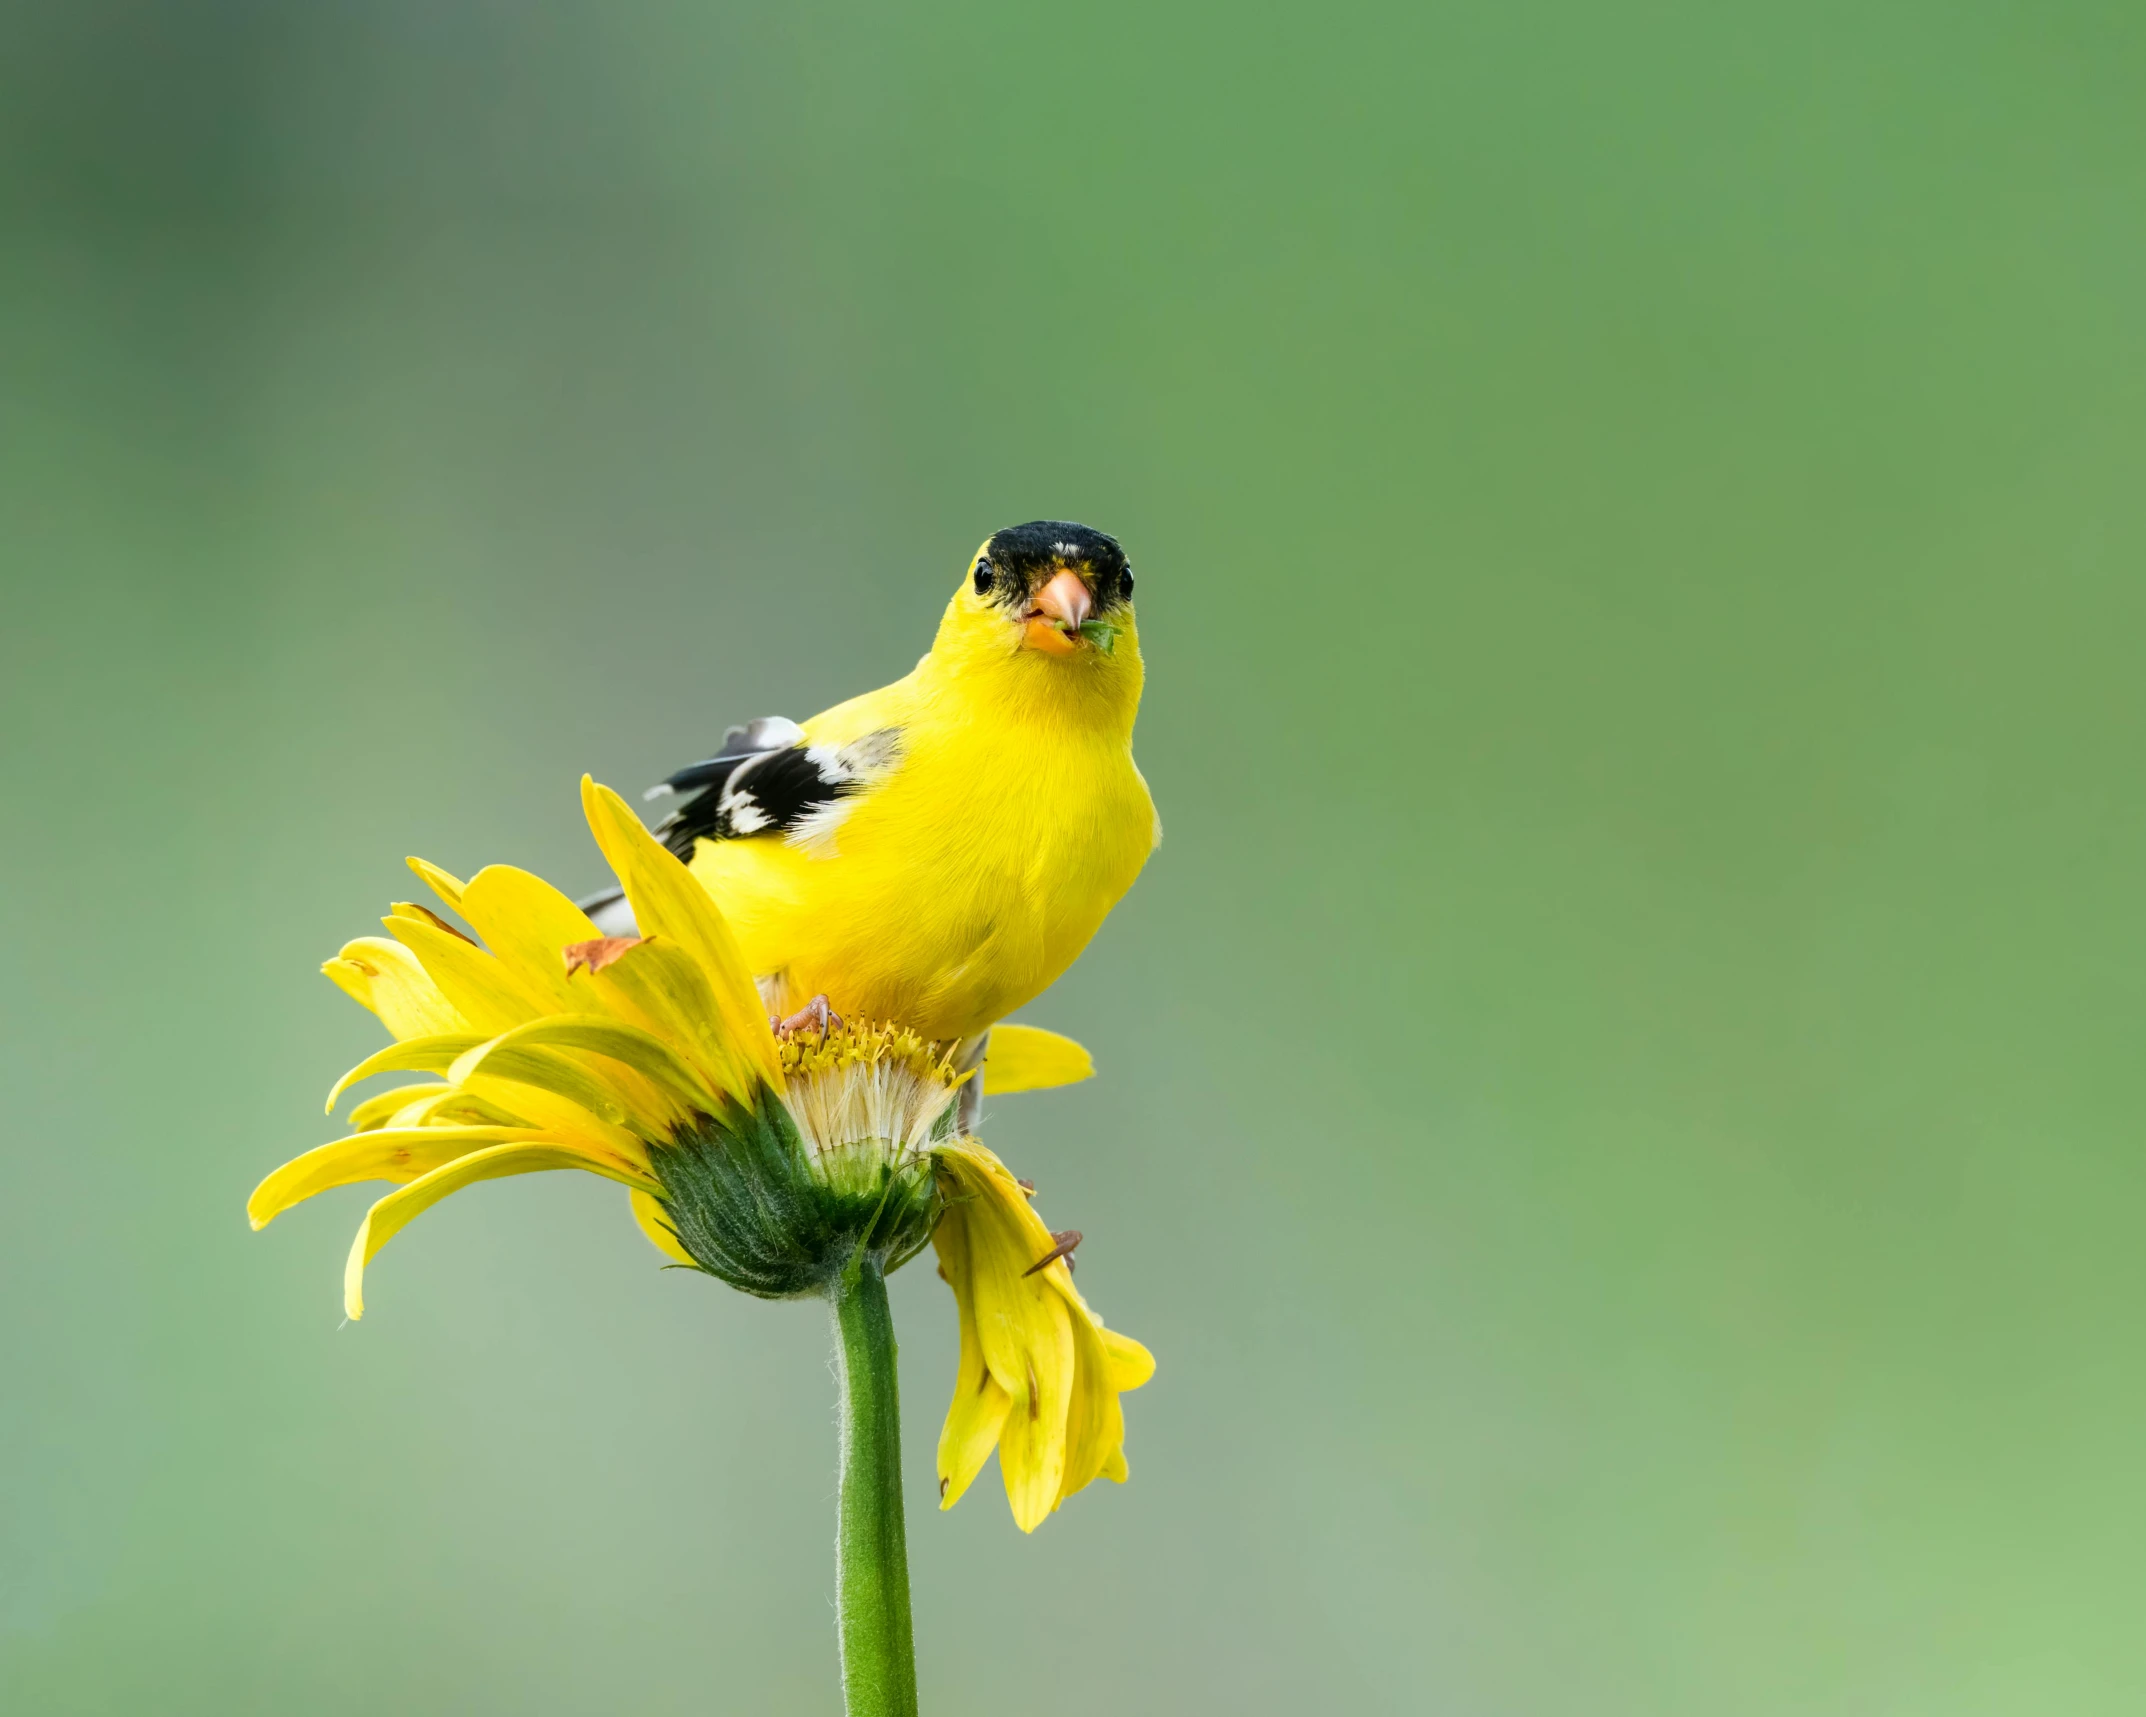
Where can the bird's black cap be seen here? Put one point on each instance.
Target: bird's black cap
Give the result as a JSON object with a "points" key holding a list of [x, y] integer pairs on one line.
{"points": [[1022, 557]]}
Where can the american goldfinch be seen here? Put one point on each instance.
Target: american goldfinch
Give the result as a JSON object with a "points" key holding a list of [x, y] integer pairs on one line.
{"points": [[937, 852]]}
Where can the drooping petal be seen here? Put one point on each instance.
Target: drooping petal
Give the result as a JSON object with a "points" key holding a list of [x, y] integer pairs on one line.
{"points": [[975, 1420], [1027, 1341], [1028, 1058], [978, 1411], [1130, 1364], [1036, 1339], [392, 1213], [668, 901], [387, 978], [1032, 1442], [1095, 1424], [386, 1153], [1095, 1430]]}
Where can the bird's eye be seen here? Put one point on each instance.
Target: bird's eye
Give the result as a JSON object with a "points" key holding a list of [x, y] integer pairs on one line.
{"points": [[983, 578], [1125, 585]]}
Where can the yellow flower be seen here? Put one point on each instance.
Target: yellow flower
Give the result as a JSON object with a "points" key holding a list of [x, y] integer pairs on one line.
{"points": [[772, 1163]]}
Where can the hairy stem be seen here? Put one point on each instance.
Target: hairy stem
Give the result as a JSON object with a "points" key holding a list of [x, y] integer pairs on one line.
{"points": [[879, 1677]]}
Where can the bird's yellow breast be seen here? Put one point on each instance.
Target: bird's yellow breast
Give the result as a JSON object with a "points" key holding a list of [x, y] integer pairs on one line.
{"points": [[962, 885]]}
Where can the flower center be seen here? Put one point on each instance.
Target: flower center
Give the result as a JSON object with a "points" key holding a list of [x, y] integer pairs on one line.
{"points": [[881, 1087]]}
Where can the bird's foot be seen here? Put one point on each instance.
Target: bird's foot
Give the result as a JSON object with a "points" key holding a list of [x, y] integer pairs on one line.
{"points": [[815, 1016]]}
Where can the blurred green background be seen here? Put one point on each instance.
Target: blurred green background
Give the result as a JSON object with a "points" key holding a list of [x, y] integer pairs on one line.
{"points": [[1620, 1092]]}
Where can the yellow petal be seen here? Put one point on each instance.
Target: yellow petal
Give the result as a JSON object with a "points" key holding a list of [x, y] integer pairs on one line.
{"points": [[561, 1117], [1095, 1424], [392, 1213], [647, 1056], [974, 1423], [1029, 1329], [1108, 1363], [668, 901], [386, 1153], [611, 1109], [1131, 1365], [412, 1055], [979, 1407], [661, 987], [430, 1105], [483, 991], [528, 925], [1022, 1326], [448, 888], [512, 1059], [648, 1212], [376, 1111], [1028, 1058], [386, 977], [1031, 1335]]}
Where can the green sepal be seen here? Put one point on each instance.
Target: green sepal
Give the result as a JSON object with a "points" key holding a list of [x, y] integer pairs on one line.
{"points": [[1102, 634], [746, 1200]]}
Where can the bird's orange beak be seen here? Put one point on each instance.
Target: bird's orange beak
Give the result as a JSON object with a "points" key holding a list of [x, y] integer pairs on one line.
{"points": [[1055, 617]]}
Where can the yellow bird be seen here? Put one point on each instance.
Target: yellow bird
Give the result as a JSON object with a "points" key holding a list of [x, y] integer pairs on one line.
{"points": [[937, 852]]}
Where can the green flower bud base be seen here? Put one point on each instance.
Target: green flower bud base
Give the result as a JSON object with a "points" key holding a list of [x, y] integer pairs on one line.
{"points": [[756, 1207]]}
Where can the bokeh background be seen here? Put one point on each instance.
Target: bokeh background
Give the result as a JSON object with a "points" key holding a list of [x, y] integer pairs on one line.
{"points": [[1621, 1090]]}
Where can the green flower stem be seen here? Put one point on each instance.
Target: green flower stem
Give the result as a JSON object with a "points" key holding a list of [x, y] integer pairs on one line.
{"points": [[879, 1676]]}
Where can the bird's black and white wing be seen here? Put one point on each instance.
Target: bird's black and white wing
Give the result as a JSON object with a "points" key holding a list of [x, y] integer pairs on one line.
{"points": [[765, 780], [701, 786]]}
